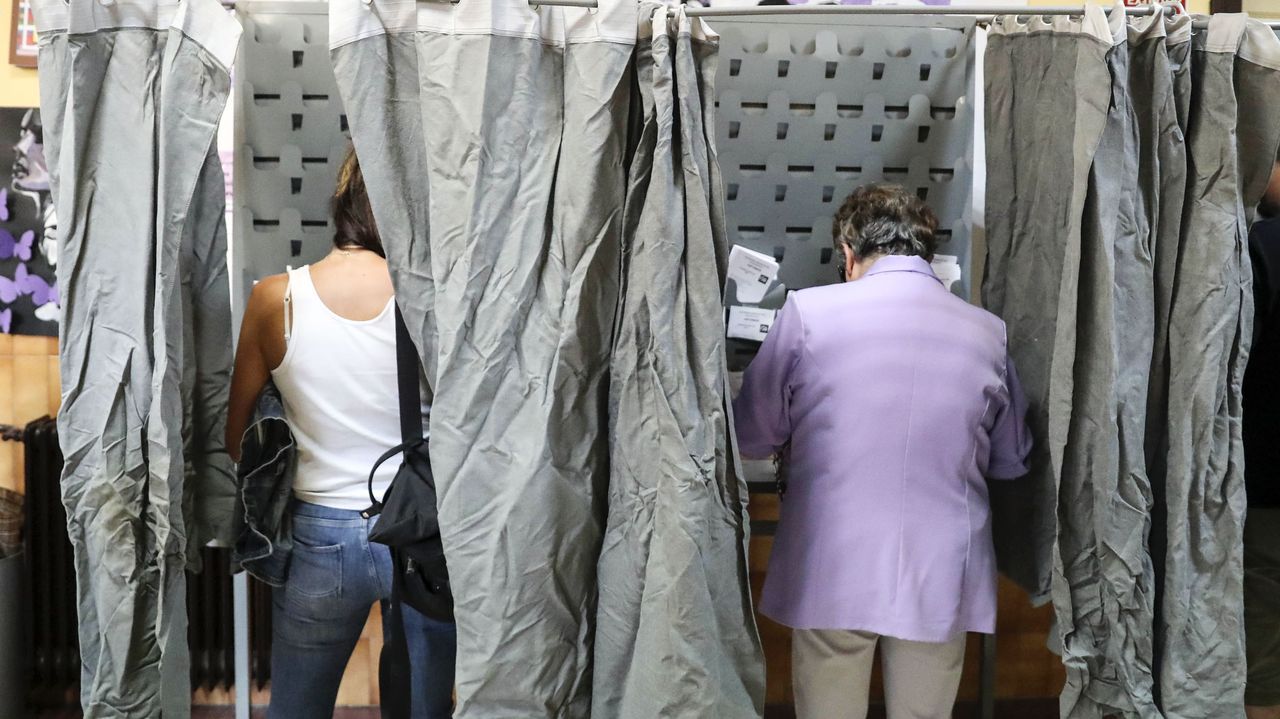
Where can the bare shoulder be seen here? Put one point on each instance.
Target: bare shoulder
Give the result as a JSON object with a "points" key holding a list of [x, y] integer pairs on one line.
{"points": [[267, 295], [264, 319], [269, 288]]}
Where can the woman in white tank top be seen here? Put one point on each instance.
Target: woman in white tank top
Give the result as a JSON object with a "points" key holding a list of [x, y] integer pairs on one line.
{"points": [[325, 334]]}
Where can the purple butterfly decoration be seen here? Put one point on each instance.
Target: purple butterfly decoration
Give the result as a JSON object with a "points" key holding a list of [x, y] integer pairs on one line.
{"points": [[8, 290], [6, 320], [4, 205], [20, 248], [42, 293], [25, 283]]}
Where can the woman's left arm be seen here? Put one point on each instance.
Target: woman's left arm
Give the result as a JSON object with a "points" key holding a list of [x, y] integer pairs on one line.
{"points": [[251, 370]]}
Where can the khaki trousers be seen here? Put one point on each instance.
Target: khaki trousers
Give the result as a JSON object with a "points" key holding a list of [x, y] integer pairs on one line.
{"points": [[831, 673]]}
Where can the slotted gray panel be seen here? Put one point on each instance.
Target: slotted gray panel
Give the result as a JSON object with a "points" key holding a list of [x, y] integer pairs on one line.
{"points": [[292, 137], [810, 108]]}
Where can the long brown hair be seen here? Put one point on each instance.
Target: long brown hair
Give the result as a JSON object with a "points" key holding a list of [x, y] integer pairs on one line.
{"points": [[353, 224]]}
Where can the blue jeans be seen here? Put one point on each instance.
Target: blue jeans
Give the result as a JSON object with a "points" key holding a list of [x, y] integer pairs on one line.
{"points": [[335, 576]]}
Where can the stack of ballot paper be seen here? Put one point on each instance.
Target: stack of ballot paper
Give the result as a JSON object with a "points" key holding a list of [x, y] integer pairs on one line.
{"points": [[750, 323], [753, 274], [947, 268]]}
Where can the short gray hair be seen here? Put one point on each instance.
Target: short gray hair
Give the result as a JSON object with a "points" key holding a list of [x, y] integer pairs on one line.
{"points": [[882, 219]]}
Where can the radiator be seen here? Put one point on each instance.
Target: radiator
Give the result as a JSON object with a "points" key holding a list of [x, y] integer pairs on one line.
{"points": [[209, 629], [51, 580], [55, 653], [211, 625]]}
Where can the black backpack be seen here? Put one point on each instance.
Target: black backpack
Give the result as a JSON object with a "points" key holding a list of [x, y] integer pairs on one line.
{"points": [[410, 526]]}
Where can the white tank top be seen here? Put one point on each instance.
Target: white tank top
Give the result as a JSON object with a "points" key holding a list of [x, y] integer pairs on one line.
{"points": [[338, 383]]}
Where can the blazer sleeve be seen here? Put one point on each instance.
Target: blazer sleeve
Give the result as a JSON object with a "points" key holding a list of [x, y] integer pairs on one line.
{"points": [[1010, 438], [762, 410]]}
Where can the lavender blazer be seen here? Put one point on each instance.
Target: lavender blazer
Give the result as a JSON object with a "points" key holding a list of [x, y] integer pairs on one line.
{"points": [[899, 401]]}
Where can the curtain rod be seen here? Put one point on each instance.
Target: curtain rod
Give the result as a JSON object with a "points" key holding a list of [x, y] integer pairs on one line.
{"points": [[559, 3], [980, 11], [1204, 24], [231, 4], [983, 14]]}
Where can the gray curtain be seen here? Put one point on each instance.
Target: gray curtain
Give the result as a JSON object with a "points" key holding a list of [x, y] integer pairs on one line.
{"points": [[131, 95], [1125, 284], [1037, 134], [209, 493], [547, 193], [1233, 129], [676, 634]]}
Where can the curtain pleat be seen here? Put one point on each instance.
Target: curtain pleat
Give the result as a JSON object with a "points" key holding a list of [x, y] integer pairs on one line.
{"points": [[676, 635], [131, 98], [1125, 284], [544, 188]]}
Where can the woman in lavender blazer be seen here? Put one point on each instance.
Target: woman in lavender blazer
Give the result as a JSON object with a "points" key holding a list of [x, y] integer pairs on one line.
{"points": [[898, 402]]}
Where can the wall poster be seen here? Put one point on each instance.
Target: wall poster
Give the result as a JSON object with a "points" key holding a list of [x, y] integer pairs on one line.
{"points": [[28, 228]]}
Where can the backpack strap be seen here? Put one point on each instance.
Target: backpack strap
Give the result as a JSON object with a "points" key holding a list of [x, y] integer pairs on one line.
{"points": [[408, 373], [409, 382], [375, 506], [394, 666]]}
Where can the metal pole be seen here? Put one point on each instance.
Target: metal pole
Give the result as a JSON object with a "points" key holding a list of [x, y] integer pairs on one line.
{"points": [[562, 3], [1204, 24], [558, 3], [987, 690], [231, 4], [978, 10], [240, 621]]}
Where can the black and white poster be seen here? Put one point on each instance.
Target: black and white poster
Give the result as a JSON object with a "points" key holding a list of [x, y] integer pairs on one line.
{"points": [[28, 228]]}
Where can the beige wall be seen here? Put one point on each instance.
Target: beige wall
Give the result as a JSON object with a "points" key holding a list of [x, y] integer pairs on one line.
{"points": [[28, 390], [1263, 8]]}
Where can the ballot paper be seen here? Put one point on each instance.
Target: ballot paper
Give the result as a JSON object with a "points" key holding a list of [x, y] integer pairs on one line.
{"points": [[947, 268], [752, 272], [750, 323]]}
